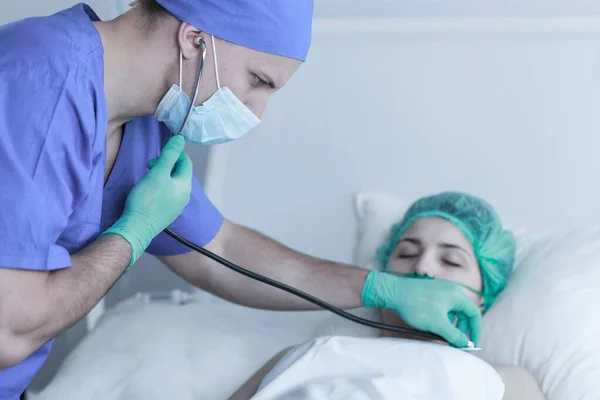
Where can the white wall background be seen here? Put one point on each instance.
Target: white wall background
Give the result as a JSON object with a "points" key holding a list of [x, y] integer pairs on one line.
{"points": [[558, 78], [455, 8], [11, 10], [500, 109]]}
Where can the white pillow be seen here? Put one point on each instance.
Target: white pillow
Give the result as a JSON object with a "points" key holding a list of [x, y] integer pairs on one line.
{"points": [[546, 319], [376, 213]]}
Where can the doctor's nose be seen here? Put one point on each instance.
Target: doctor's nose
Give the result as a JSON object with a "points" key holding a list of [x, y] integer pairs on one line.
{"points": [[258, 104]]}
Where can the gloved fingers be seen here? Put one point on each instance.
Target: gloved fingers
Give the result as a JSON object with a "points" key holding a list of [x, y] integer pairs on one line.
{"points": [[463, 325], [451, 334], [475, 329], [467, 310], [460, 322], [152, 163], [452, 318], [170, 154], [183, 167]]}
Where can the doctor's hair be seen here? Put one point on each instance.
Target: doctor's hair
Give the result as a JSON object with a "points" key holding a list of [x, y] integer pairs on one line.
{"points": [[151, 13]]}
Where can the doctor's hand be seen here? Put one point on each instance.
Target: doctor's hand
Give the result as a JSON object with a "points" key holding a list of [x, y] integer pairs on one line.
{"points": [[427, 305], [157, 199]]}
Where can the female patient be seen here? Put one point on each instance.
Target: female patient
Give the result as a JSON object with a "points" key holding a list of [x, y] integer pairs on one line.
{"points": [[451, 236]]}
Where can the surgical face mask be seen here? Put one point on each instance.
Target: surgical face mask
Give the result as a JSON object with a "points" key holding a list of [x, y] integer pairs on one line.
{"points": [[222, 118]]}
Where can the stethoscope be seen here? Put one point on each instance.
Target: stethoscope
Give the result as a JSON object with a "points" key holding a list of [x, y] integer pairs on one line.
{"points": [[199, 42], [252, 275]]}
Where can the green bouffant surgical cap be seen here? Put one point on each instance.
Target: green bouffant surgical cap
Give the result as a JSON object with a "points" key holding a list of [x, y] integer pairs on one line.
{"points": [[494, 246]]}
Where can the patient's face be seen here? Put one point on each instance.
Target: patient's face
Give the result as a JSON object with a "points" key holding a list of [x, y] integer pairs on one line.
{"points": [[437, 248]]}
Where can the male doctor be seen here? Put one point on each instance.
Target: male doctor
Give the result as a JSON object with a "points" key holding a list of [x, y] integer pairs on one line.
{"points": [[87, 185]]}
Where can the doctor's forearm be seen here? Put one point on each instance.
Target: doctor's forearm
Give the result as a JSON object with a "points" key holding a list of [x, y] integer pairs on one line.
{"points": [[332, 282], [44, 304]]}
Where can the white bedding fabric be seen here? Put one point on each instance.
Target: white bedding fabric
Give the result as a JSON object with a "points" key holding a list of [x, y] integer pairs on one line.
{"points": [[336, 368], [161, 351]]}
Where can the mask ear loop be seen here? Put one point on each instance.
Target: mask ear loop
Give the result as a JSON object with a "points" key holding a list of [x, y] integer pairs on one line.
{"points": [[180, 70], [199, 42], [216, 63]]}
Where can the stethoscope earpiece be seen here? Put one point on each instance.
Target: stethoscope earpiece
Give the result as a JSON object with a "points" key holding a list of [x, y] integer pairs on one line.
{"points": [[199, 41]]}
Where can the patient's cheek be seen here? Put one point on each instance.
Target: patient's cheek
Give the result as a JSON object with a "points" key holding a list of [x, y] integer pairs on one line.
{"points": [[475, 298], [472, 296]]}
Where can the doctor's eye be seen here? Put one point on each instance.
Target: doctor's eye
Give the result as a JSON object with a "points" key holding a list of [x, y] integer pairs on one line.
{"points": [[257, 81]]}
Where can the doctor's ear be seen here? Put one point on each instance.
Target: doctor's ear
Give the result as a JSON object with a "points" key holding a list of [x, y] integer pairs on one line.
{"points": [[191, 40]]}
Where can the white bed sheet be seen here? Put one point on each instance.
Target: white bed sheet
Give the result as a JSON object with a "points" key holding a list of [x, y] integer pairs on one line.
{"points": [[348, 368], [165, 351]]}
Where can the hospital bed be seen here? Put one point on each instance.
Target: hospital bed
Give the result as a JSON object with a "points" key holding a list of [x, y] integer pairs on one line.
{"points": [[386, 111]]}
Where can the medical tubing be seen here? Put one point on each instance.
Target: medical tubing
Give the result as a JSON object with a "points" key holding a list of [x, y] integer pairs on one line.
{"points": [[299, 293]]}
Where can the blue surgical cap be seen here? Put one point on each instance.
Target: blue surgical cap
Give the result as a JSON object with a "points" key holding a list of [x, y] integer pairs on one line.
{"points": [[281, 27]]}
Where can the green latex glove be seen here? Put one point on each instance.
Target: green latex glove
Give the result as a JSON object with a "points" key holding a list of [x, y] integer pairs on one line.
{"points": [[427, 305], [157, 199]]}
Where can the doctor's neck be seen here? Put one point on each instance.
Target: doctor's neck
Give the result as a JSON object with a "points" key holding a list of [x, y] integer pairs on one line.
{"points": [[137, 64]]}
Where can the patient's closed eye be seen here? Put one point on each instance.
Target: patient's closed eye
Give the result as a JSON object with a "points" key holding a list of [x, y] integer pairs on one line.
{"points": [[408, 250], [453, 260], [452, 263], [407, 255]]}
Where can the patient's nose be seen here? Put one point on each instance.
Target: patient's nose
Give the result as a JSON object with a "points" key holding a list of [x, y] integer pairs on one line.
{"points": [[425, 266]]}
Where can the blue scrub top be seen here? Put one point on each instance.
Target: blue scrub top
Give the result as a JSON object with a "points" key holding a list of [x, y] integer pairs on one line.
{"points": [[53, 120]]}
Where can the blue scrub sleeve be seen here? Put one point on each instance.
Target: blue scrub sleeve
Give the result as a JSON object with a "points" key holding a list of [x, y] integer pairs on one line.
{"points": [[199, 222], [43, 165]]}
